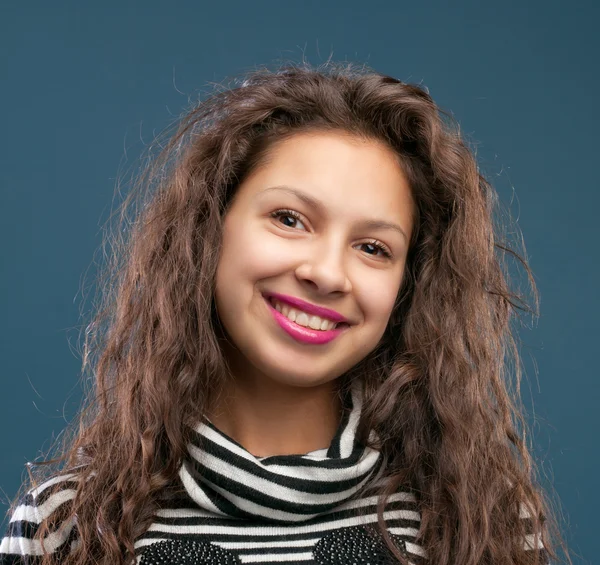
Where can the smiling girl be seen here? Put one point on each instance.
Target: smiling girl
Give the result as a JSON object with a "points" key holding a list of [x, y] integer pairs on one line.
{"points": [[302, 351]]}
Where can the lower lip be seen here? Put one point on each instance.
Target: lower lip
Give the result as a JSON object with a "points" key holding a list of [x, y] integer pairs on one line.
{"points": [[304, 334]]}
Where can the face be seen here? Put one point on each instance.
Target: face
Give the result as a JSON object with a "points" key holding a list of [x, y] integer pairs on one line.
{"points": [[326, 255]]}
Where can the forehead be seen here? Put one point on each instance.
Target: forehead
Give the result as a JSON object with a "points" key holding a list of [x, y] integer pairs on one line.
{"points": [[338, 168]]}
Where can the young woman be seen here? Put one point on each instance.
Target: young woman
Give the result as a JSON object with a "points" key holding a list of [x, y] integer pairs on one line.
{"points": [[301, 356]]}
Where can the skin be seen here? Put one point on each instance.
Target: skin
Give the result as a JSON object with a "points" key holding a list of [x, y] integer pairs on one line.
{"points": [[282, 399]]}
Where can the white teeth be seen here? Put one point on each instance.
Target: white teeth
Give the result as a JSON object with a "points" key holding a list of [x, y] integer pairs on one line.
{"points": [[289, 313], [302, 318]]}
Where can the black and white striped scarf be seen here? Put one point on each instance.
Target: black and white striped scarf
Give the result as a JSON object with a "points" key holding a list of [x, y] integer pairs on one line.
{"points": [[222, 477]]}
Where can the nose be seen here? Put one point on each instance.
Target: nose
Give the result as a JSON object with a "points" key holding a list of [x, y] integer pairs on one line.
{"points": [[325, 268]]}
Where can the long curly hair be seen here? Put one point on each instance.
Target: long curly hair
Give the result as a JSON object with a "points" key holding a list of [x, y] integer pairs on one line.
{"points": [[442, 388]]}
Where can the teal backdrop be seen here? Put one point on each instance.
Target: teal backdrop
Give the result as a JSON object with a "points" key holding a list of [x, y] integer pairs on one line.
{"points": [[86, 86]]}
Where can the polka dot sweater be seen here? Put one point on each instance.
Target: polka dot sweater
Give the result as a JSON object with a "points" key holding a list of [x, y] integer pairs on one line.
{"points": [[232, 507]]}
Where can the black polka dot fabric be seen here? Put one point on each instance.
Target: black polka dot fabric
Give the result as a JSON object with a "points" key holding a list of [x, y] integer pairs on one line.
{"points": [[187, 552], [356, 545]]}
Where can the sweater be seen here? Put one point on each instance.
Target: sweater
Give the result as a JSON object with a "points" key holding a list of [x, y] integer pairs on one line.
{"points": [[232, 507]]}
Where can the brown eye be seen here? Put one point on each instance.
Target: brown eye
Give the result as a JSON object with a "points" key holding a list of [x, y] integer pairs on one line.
{"points": [[287, 213], [380, 246], [292, 221]]}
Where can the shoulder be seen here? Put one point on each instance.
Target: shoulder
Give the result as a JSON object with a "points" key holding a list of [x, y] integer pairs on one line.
{"points": [[18, 544]]}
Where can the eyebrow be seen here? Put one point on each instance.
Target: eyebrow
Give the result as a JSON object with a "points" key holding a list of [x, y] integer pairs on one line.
{"points": [[318, 205]]}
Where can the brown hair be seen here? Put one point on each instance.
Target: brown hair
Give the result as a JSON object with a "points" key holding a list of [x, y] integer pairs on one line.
{"points": [[437, 387]]}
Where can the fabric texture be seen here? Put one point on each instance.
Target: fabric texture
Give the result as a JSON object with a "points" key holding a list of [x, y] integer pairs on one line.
{"points": [[232, 507]]}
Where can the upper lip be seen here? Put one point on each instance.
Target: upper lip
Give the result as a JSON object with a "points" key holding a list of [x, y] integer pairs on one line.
{"points": [[307, 307]]}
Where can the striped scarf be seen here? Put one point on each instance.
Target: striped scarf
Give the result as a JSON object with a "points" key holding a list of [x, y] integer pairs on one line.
{"points": [[222, 477]]}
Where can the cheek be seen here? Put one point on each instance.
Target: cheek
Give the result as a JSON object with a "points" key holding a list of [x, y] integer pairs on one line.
{"points": [[248, 255], [378, 294]]}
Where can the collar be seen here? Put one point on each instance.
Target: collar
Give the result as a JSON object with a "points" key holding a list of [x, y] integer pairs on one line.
{"points": [[225, 479]]}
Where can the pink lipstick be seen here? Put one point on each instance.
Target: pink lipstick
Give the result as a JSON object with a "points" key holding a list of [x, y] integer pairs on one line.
{"points": [[304, 334], [307, 307]]}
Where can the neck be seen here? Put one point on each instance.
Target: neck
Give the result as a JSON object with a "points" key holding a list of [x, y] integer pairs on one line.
{"points": [[269, 418]]}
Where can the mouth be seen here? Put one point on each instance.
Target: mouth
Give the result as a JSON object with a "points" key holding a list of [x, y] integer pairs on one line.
{"points": [[304, 319]]}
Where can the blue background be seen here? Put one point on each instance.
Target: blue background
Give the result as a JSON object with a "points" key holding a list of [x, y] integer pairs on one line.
{"points": [[86, 86]]}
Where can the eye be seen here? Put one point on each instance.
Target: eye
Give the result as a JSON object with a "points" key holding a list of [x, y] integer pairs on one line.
{"points": [[379, 247], [287, 214]]}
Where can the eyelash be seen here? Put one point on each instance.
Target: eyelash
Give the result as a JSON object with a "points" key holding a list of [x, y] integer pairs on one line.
{"points": [[375, 243]]}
